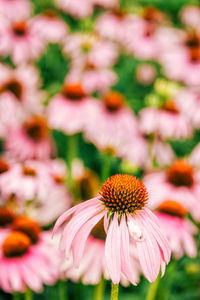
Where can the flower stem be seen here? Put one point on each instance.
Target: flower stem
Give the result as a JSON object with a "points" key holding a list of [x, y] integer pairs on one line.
{"points": [[71, 153], [114, 291], [28, 294], [16, 296], [153, 287], [99, 290], [62, 286]]}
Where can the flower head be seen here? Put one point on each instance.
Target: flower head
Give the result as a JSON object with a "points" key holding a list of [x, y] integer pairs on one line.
{"points": [[127, 222]]}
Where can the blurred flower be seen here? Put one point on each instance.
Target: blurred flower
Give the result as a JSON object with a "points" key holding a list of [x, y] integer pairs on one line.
{"points": [[121, 196], [179, 183], [190, 15], [26, 261], [177, 228], [30, 140], [20, 40], [15, 10], [76, 8], [167, 122], [69, 110], [50, 27]]}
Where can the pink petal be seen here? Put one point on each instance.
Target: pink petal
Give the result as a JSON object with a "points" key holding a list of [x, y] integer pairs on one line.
{"points": [[75, 224], [65, 215], [30, 278], [112, 250], [80, 239], [15, 277], [125, 252]]}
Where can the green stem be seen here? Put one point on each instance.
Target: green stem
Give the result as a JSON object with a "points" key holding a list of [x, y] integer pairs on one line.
{"points": [[28, 294], [114, 291], [16, 296], [99, 290], [62, 286], [152, 291], [106, 166], [71, 153]]}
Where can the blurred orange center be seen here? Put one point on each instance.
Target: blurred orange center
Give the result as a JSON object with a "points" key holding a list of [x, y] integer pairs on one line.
{"points": [[36, 128], [29, 171], [50, 13], [73, 91], [20, 28], [152, 14], [173, 208], [4, 166], [13, 86], [16, 244], [88, 185], [28, 227], [193, 44], [98, 231], [6, 216], [180, 174], [171, 106], [123, 194], [114, 101]]}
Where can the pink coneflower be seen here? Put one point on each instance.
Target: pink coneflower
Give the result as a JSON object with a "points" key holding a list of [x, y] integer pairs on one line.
{"points": [[177, 228], [106, 3], [50, 27], [16, 9], [31, 140], [23, 84], [76, 8], [22, 251], [167, 122], [145, 44], [122, 206], [195, 156], [188, 101], [161, 152], [180, 183], [21, 41], [183, 63], [30, 184], [146, 73], [109, 120], [68, 111]]}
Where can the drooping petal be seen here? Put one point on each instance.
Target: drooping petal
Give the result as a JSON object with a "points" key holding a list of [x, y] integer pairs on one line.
{"points": [[125, 252], [81, 237], [70, 211], [148, 253], [74, 225], [112, 250]]}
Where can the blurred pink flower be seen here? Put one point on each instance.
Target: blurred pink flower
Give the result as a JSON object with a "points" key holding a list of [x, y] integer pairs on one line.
{"points": [[109, 120], [179, 231], [121, 196], [50, 27], [30, 140], [15, 10], [179, 183], [146, 73], [167, 122], [76, 8], [20, 40], [190, 15], [24, 264], [106, 3], [68, 111], [194, 157], [182, 61]]}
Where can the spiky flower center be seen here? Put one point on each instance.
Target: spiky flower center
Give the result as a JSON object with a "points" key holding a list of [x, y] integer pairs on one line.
{"points": [[172, 208], [114, 101], [73, 91], [28, 227], [16, 244], [20, 28], [6, 216], [4, 166], [98, 231], [180, 174], [123, 194], [36, 128], [13, 86]]}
